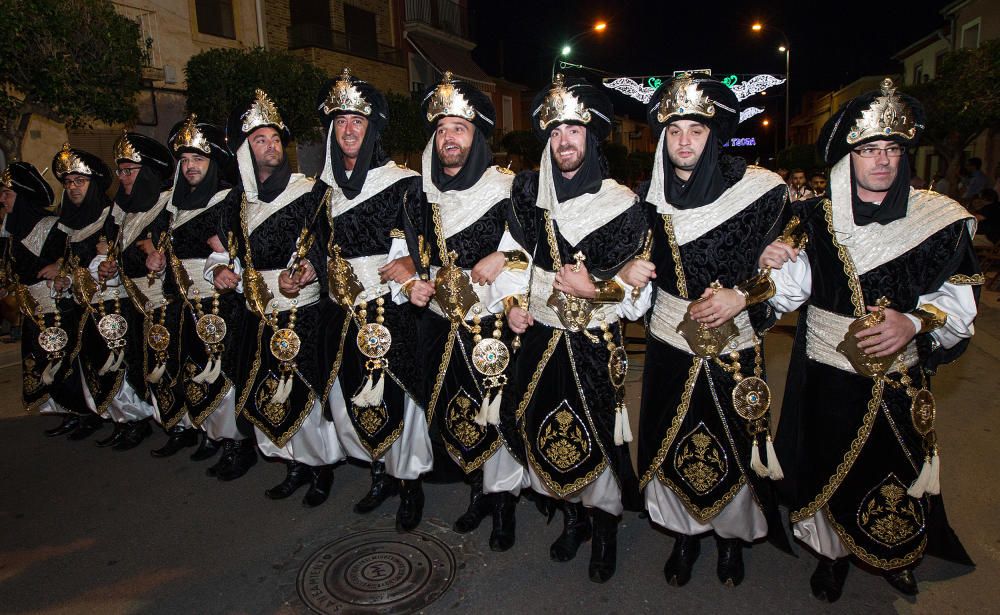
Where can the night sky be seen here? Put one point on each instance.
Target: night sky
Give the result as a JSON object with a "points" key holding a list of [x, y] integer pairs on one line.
{"points": [[832, 43]]}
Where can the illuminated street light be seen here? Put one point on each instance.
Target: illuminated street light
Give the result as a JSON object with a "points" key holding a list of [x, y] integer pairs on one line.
{"points": [[598, 27], [766, 122], [785, 49]]}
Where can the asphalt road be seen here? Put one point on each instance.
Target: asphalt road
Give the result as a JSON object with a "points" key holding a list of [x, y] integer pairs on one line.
{"points": [[88, 530]]}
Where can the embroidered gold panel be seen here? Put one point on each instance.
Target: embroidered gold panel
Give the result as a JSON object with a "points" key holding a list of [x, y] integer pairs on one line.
{"points": [[700, 460], [888, 515], [563, 438], [460, 420]]}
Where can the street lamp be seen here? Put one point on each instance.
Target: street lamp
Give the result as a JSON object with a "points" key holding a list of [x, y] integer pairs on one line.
{"points": [[785, 49], [567, 48]]}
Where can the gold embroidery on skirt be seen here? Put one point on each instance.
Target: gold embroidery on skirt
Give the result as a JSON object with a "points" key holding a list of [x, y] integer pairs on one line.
{"points": [[194, 392], [700, 460], [888, 515], [273, 412], [562, 438], [460, 420]]}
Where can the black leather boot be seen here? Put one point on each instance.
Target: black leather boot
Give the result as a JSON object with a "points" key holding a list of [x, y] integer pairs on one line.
{"points": [[135, 433], [479, 505], [504, 521], [576, 531], [115, 437], [299, 474], [604, 548], [411, 504], [319, 490], [677, 570], [729, 567], [89, 423], [180, 437], [243, 457], [903, 580], [69, 423], [383, 487], [207, 448], [827, 581], [229, 449]]}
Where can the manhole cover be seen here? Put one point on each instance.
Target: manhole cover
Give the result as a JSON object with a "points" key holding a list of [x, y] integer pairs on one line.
{"points": [[377, 571]]}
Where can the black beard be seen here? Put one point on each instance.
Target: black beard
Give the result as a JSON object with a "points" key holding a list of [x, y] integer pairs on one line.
{"points": [[462, 157], [571, 166]]}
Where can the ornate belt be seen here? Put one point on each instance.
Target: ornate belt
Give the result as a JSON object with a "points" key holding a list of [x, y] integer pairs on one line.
{"points": [[365, 269], [307, 296], [481, 291], [668, 312], [825, 332], [42, 295], [541, 288], [195, 268]]}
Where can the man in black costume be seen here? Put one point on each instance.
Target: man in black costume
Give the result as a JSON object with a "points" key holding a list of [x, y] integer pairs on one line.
{"points": [[36, 264], [85, 217], [890, 284], [375, 387], [461, 237], [570, 371], [699, 439], [278, 266], [211, 320], [144, 170]]}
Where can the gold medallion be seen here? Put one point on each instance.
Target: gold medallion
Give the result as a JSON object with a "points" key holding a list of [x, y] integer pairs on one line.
{"points": [[374, 340], [704, 341], [158, 337], [53, 339], [453, 291], [490, 357], [922, 411], [112, 327], [751, 398], [211, 329], [574, 312], [285, 344], [618, 366]]}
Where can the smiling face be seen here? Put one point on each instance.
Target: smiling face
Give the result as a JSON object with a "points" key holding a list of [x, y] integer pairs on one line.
{"points": [[452, 142], [194, 166], [874, 176], [686, 141], [349, 129], [568, 143]]}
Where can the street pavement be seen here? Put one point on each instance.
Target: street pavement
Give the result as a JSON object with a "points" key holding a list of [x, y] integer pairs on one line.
{"points": [[89, 530]]}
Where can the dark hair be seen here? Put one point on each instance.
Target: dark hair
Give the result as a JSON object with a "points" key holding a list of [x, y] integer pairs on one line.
{"points": [[976, 162], [817, 173], [794, 171]]}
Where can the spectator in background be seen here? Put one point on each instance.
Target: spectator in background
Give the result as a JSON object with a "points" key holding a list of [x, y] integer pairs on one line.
{"points": [[797, 188], [783, 173], [987, 211], [976, 180], [940, 183], [996, 178], [818, 183]]}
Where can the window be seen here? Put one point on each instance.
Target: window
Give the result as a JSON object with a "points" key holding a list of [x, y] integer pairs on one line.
{"points": [[361, 34], [310, 24], [918, 72], [938, 58], [970, 35], [215, 17]]}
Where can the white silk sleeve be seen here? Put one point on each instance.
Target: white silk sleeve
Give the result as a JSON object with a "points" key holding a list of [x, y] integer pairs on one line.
{"points": [[958, 302], [792, 285]]}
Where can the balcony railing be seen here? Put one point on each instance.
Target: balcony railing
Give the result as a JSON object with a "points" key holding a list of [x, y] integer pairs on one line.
{"points": [[317, 35], [149, 28], [444, 15]]}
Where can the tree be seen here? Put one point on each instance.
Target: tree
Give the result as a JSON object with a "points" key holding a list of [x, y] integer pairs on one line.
{"points": [[405, 133], [220, 79], [961, 102], [525, 144], [72, 61]]}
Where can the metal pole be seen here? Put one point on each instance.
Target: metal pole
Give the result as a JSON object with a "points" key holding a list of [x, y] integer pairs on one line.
{"points": [[788, 88]]}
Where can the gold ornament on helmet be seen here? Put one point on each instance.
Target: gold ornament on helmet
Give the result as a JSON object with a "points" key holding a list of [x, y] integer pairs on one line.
{"points": [[6, 181], [67, 162], [447, 101], [684, 97], [124, 150], [887, 116], [344, 96], [191, 137], [560, 106], [261, 113]]}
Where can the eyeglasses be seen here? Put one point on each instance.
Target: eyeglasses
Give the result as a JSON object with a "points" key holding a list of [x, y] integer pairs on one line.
{"points": [[127, 171], [75, 182], [893, 151]]}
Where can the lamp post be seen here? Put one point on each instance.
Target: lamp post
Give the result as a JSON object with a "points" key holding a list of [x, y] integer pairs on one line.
{"points": [[567, 48], [787, 50]]}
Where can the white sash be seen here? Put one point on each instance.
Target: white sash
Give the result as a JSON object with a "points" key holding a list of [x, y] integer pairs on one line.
{"points": [[36, 238]]}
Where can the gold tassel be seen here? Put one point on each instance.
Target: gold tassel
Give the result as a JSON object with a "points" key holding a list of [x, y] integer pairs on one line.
{"points": [[484, 410], [493, 412], [773, 467], [755, 462], [619, 435], [919, 487], [934, 482], [283, 391], [626, 426]]}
